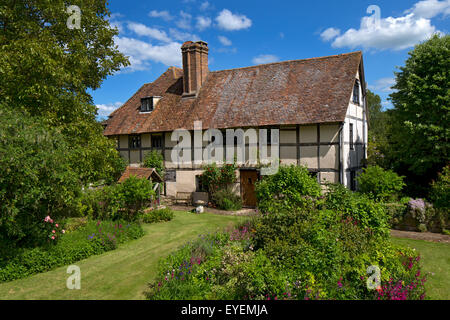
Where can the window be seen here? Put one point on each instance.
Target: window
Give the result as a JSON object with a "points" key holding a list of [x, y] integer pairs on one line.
{"points": [[156, 141], [269, 136], [356, 93], [135, 142], [146, 104], [352, 144]]}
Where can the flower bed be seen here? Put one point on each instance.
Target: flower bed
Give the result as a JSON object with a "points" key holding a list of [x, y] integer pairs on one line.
{"points": [[318, 256], [93, 238]]}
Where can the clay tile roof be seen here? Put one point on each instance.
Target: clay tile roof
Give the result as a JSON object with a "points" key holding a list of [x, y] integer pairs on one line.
{"points": [[316, 90], [141, 173]]}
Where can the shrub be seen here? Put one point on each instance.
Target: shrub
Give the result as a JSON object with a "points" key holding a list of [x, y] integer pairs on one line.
{"points": [[125, 200], [291, 187], [154, 159], [326, 255], [289, 255], [226, 199], [215, 178], [368, 213], [153, 216], [94, 238], [379, 184], [92, 203], [440, 190], [425, 216], [73, 224], [397, 211]]}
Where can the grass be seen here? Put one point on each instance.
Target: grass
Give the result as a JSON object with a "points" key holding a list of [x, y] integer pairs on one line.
{"points": [[122, 273], [436, 261]]}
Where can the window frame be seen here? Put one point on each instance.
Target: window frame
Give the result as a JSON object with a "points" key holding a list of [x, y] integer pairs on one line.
{"points": [[149, 104], [133, 145], [356, 96], [351, 134], [158, 138]]}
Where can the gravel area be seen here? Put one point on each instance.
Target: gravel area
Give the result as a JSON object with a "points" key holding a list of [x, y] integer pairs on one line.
{"points": [[427, 236]]}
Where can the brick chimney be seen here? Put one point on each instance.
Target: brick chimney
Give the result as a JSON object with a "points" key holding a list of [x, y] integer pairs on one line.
{"points": [[195, 66]]}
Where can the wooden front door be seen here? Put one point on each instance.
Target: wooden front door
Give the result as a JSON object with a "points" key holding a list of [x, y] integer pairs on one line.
{"points": [[248, 180]]}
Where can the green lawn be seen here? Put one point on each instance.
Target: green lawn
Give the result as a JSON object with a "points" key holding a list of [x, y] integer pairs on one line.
{"points": [[122, 273], [436, 260]]}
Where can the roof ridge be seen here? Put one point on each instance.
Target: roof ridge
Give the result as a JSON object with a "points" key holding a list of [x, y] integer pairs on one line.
{"points": [[289, 61]]}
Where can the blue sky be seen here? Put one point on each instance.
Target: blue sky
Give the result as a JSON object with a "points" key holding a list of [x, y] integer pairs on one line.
{"points": [[244, 33]]}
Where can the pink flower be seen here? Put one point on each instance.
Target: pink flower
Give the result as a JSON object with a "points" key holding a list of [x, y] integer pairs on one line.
{"points": [[51, 220], [53, 231], [47, 219], [53, 237], [63, 231], [56, 225]]}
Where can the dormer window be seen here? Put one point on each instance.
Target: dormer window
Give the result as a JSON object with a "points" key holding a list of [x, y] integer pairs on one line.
{"points": [[149, 103], [356, 93]]}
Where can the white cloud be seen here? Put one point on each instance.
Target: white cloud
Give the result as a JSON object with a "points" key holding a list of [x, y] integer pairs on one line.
{"points": [[104, 110], [391, 33], [225, 41], [204, 6], [430, 8], [329, 34], [227, 50], [184, 22], [265, 58], [114, 21], [143, 30], [383, 85], [183, 36], [228, 21], [142, 53], [203, 23], [165, 15]]}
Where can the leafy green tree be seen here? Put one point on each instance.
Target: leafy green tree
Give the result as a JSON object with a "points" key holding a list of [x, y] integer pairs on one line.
{"points": [[419, 133], [35, 177], [378, 124], [47, 70], [376, 114]]}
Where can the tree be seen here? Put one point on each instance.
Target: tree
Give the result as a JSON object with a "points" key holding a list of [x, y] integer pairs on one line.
{"points": [[378, 124], [419, 133], [48, 69], [35, 177]]}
